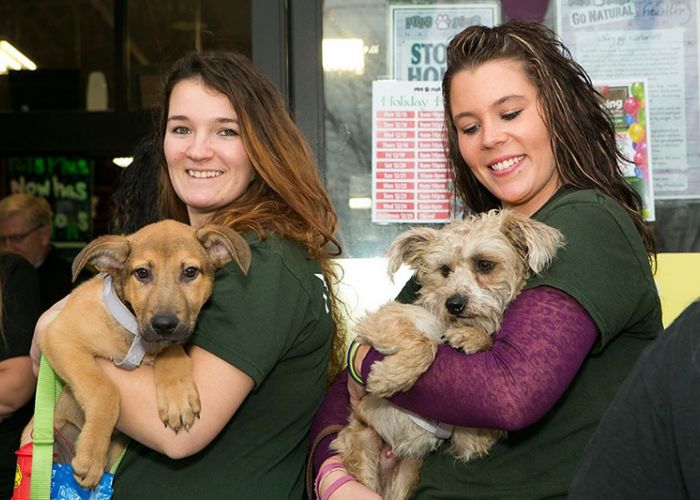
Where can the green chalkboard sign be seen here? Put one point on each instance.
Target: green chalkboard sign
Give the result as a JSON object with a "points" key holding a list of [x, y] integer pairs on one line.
{"points": [[67, 183]]}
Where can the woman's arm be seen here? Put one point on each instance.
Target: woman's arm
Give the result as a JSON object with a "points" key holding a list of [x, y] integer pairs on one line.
{"points": [[330, 418], [544, 338], [20, 308], [17, 383], [222, 388]]}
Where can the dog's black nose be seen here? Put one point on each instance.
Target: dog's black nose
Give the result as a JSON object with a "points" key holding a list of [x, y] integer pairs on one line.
{"points": [[164, 324], [456, 304]]}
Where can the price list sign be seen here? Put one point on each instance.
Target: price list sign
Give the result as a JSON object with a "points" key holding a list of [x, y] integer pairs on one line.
{"points": [[411, 180]]}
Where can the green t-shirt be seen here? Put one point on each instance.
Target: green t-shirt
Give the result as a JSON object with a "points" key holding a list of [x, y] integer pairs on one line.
{"points": [[274, 325], [604, 267]]}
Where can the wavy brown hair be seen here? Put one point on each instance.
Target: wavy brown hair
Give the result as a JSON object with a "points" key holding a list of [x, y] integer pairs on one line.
{"points": [[287, 196], [582, 135]]}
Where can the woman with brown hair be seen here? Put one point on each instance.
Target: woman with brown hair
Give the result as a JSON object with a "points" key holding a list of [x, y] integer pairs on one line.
{"points": [[20, 304], [526, 131], [229, 153]]}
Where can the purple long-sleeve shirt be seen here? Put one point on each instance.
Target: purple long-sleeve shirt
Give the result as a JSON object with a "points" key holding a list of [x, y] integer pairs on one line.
{"points": [[543, 340]]}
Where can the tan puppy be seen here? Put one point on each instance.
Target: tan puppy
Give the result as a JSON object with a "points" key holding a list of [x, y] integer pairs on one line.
{"points": [[164, 273], [469, 272]]}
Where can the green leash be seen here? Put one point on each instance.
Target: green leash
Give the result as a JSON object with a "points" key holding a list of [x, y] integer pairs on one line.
{"points": [[48, 389]]}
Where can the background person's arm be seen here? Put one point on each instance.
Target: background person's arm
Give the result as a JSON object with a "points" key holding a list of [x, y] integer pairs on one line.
{"points": [[20, 310], [17, 383]]}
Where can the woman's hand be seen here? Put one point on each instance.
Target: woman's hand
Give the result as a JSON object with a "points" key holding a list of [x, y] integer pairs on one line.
{"points": [[348, 491], [357, 391], [40, 328]]}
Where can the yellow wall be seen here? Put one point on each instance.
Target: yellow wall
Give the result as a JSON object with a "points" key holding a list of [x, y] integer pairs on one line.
{"points": [[678, 281]]}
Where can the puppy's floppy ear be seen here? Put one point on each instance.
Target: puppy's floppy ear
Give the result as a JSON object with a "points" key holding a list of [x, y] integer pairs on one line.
{"points": [[409, 247], [107, 253], [537, 242], [224, 244]]}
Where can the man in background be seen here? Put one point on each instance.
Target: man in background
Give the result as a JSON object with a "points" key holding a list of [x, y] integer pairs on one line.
{"points": [[25, 229]]}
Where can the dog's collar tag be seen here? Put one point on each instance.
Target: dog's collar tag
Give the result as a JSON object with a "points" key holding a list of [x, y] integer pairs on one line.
{"points": [[437, 429], [124, 317]]}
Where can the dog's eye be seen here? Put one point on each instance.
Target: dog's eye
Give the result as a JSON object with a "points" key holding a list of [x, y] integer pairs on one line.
{"points": [[445, 271], [190, 273], [485, 266], [142, 274]]}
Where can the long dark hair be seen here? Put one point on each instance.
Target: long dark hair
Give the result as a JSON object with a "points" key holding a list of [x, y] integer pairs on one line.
{"points": [[581, 131], [135, 199]]}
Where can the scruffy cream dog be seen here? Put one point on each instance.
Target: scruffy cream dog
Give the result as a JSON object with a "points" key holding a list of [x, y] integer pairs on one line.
{"points": [[469, 272]]}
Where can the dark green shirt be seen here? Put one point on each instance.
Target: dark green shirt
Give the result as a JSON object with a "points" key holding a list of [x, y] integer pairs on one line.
{"points": [[604, 267], [274, 325]]}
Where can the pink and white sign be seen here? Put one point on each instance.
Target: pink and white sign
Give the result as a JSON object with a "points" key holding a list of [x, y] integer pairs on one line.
{"points": [[411, 179]]}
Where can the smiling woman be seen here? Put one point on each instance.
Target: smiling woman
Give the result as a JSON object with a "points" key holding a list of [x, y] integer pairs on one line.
{"points": [[502, 136], [574, 332], [207, 161], [227, 152]]}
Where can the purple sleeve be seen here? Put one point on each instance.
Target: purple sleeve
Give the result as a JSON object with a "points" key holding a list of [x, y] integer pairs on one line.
{"points": [[543, 340], [330, 417]]}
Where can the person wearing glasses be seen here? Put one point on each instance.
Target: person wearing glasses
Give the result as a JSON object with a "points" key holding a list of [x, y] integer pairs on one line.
{"points": [[25, 229]]}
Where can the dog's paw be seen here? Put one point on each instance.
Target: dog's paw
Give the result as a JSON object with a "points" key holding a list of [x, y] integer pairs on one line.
{"points": [[395, 374], [88, 467], [469, 340], [383, 380], [178, 404]]}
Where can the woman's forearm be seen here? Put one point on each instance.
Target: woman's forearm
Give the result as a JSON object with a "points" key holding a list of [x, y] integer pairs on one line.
{"points": [[17, 383], [330, 417], [545, 336], [221, 386]]}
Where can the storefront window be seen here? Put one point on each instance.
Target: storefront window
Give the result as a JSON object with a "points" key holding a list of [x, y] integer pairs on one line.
{"points": [[382, 160]]}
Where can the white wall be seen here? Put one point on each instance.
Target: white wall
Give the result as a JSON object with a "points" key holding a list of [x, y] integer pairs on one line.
{"points": [[366, 286]]}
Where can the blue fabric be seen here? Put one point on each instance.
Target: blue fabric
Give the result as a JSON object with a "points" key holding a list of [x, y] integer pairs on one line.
{"points": [[65, 487]]}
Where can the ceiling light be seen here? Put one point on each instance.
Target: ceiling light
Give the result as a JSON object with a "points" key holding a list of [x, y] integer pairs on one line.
{"points": [[11, 58], [122, 161], [344, 54], [360, 203]]}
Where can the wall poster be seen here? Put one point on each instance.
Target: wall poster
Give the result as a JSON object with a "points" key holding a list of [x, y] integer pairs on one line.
{"points": [[626, 101], [419, 35], [658, 41], [411, 180], [67, 184]]}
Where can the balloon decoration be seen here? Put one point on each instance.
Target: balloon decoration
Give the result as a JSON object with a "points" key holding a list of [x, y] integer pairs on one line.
{"points": [[631, 105], [642, 117], [638, 90], [636, 132], [635, 119]]}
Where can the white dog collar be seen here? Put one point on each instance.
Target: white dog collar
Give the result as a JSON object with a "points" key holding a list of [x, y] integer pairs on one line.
{"points": [[121, 313], [437, 429]]}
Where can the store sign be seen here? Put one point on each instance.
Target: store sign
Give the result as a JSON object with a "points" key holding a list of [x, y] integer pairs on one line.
{"points": [[66, 182], [419, 35]]}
